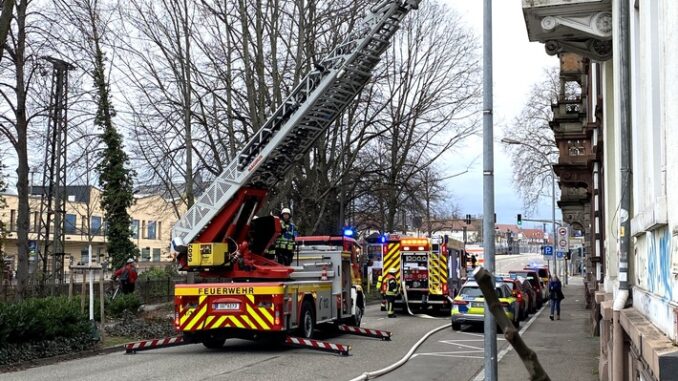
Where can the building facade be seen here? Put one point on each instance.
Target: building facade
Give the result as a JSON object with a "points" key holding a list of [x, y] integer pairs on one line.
{"points": [[628, 69], [84, 224]]}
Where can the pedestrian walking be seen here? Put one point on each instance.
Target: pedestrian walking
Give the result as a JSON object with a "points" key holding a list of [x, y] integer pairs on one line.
{"points": [[555, 295]]}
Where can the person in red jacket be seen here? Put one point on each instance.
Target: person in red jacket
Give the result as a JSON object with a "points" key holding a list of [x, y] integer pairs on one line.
{"points": [[127, 276]]}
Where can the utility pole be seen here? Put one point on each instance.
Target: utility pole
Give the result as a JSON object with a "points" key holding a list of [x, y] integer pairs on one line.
{"points": [[490, 337]]}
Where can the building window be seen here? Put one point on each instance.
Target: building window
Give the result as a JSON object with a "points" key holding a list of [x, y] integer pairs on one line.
{"points": [[151, 230], [95, 225], [135, 229], [159, 230], [146, 254], [36, 222], [12, 220], [84, 255], [70, 224], [156, 255]]}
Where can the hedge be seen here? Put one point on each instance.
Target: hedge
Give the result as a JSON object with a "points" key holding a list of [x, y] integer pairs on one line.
{"points": [[43, 327], [41, 319]]}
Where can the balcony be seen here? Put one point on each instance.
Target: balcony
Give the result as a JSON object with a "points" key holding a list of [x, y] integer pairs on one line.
{"points": [[577, 26]]}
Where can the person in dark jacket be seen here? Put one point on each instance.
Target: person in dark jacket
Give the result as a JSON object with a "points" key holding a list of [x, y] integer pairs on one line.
{"points": [[556, 295]]}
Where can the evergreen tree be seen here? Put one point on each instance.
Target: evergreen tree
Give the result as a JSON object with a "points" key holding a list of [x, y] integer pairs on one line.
{"points": [[115, 178]]}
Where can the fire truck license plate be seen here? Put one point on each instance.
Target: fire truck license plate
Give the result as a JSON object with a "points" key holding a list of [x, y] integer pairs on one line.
{"points": [[226, 306]]}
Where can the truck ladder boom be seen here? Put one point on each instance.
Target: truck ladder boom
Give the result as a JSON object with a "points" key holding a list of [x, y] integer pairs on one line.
{"points": [[304, 115]]}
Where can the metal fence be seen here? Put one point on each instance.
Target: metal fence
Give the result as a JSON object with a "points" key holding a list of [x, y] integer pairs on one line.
{"points": [[150, 291]]}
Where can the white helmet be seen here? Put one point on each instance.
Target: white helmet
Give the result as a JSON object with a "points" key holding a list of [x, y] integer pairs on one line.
{"points": [[286, 210], [130, 260]]}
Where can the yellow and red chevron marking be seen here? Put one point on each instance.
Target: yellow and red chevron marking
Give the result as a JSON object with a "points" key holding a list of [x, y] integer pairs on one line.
{"points": [[437, 273], [392, 258], [253, 317]]}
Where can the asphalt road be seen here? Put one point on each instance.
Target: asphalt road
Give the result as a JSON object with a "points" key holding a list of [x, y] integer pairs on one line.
{"points": [[445, 353], [457, 355]]}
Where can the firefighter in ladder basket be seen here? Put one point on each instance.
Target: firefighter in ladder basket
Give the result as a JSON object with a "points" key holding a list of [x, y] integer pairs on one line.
{"points": [[391, 290], [284, 247]]}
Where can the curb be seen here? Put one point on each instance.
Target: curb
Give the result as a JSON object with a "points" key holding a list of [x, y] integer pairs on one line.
{"points": [[56, 359]]}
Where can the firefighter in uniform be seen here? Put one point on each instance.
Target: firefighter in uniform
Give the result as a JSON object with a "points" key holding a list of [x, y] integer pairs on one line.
{"points": [[381, 291], [391, 290], [284, 247]]}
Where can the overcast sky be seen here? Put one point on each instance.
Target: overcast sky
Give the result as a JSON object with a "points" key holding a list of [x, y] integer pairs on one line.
{"points": [[517, 64]]}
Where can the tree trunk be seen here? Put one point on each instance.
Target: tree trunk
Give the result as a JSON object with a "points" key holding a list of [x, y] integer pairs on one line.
{"points": [[5, 22], [187, 110], [22, 155]]}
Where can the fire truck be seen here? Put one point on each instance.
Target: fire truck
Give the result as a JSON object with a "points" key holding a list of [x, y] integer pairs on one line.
{"points": [[424, 272], [422, 268], [244, 294]]}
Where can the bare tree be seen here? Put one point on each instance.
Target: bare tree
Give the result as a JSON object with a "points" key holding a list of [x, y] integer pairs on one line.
{"points": [[22, 104], [432, 74], [531, 172], [5, 21]]}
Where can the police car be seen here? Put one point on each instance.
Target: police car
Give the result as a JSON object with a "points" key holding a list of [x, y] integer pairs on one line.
{"points": [[469, 305]]}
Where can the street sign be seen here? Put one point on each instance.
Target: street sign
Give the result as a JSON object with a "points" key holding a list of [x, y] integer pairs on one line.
{"points": [[548, 253], [563, 238], [560, 255]]}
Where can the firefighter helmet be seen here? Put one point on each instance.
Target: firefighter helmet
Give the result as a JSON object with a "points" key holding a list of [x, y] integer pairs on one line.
{"points": [[286, 210], [392, 270]]}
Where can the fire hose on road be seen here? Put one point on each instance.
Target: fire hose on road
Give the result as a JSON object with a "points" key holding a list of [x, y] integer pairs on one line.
{"points": [[406, 302], [408, 355]]}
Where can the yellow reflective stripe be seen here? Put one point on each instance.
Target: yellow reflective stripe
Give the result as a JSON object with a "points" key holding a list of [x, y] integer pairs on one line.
{"points": [[219, 322], [236, 322], [196, 317], [227, 290], [247, 320], [267, 314], [256, 317], [208, 320], [253, 312]]}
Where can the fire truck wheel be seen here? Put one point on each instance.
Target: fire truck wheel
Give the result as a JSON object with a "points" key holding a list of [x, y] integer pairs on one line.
{"points": [[214, 343], [456, 326], [307, 321]]}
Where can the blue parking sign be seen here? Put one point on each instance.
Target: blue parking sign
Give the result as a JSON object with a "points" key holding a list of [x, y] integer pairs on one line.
{"points": [[548, 251]]}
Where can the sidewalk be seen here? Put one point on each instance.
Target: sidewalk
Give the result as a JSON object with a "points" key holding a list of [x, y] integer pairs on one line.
{"points": [[565, 348]]}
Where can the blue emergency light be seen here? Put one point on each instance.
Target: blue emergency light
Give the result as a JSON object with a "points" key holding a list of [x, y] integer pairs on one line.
{"points": [[348, 232]]}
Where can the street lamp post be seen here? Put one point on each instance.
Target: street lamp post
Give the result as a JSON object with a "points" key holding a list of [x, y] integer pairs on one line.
{"points": [[553, 193]]}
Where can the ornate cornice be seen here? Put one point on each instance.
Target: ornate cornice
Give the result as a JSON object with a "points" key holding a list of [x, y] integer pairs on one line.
{"points": [[583, 27]]}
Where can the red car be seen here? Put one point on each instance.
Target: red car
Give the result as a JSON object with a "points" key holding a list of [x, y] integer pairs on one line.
{"points": [[522, 297], [533, 277]]}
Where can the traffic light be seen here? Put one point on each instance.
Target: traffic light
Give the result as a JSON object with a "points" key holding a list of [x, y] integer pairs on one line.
{"points": [[520, 219], [468, 219]]}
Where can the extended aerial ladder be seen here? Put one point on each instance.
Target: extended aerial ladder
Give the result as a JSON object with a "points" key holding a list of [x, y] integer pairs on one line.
{"points": [[224, 212]]}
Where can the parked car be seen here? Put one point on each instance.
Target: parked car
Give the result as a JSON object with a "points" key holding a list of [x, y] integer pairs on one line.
{"points": [[533, 277], [544, 275], [521, 296], [469, 305], [529, 290]]}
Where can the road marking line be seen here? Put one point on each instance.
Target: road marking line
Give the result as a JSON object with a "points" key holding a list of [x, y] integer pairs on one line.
{"points": [[451, 355], [481, 375], [465, 346]]}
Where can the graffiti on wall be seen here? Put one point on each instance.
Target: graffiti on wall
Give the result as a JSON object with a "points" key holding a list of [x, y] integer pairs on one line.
{"points": [[659, 263]]}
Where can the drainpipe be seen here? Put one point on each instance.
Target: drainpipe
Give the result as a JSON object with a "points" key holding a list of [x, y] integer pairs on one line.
{"points": [[626, 187]]}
